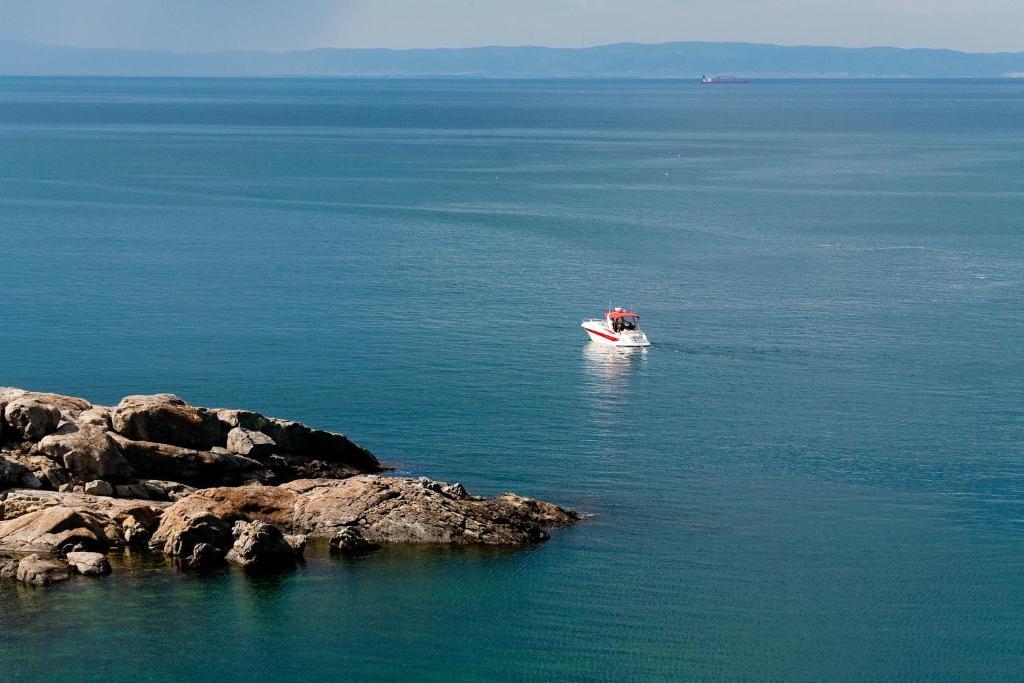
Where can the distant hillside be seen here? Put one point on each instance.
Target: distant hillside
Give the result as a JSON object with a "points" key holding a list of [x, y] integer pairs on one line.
{"points": [[623, 60]]}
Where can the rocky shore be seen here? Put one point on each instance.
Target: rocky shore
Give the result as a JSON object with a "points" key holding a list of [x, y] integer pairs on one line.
{"points": [[207, 486]]}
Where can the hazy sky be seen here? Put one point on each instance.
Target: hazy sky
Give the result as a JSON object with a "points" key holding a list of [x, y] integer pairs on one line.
{"points": [[204, 25]]}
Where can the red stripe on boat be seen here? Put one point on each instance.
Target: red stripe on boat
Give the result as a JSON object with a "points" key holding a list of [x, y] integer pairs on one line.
{"points": [[601, 334]]}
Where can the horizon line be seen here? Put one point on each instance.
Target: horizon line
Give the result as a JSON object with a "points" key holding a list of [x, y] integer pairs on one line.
{"points": [[503, 47]]}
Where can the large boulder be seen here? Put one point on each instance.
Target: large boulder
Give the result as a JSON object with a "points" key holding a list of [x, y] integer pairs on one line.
{"points": [[30, 418], [70, 406], [87, 450], [166, 418], [88, 564], [163, 461], [260, 546], [197, 538], [250, 443], [271, 504], [36, 571]]}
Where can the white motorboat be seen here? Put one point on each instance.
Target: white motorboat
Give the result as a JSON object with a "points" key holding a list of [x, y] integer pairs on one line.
{"points": [[618, 327]]}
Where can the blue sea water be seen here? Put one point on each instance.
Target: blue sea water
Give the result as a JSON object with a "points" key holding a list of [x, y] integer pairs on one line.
{"points": [[816, 472]]}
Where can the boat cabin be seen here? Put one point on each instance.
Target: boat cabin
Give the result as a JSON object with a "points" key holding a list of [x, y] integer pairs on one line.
{"points": [[621, 320]]}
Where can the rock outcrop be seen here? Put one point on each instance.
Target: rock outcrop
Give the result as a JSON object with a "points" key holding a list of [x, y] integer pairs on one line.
{"points": [[207, 486], [49, 521], [382, 509], [58, 530]]}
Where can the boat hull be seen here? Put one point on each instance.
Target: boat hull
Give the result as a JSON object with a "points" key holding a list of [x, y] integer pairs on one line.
{"points": [[600, 334]]}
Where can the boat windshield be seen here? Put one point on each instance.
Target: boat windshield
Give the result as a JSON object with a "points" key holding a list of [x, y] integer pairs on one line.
{"points": [[625, 323]]}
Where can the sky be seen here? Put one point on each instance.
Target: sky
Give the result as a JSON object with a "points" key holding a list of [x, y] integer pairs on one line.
{"points": [[211, 25]]}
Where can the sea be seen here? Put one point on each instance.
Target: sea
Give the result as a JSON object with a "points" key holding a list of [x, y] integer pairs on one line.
{"points": [[815, 472]]}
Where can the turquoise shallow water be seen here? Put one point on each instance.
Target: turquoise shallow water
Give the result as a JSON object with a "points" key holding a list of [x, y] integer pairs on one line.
{"points": [[816, 471]]}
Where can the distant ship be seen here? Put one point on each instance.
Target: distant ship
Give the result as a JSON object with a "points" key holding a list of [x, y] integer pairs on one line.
{"points": [[722, 80]]}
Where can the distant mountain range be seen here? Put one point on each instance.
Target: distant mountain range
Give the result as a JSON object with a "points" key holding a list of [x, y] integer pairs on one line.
{"points": [[622, 60]]}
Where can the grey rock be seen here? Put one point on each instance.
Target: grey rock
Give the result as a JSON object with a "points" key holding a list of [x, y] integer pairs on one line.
{"points": [[250, 443], [246, 419], [98, 487], [88, 564], [36, 571], [55, 475]]}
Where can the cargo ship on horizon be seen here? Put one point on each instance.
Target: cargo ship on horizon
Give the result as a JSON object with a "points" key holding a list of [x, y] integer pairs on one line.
{"points": [[723, 80]]}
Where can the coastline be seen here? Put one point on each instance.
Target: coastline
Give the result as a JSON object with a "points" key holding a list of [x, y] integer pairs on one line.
{"points": [[208, 486]]}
